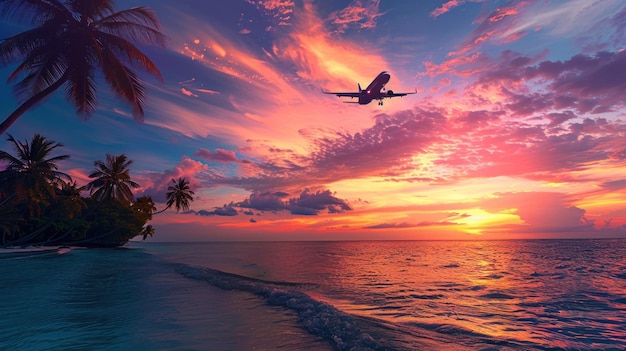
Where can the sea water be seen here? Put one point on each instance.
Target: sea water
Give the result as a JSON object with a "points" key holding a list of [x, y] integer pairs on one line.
{"points": [[375, 295]]}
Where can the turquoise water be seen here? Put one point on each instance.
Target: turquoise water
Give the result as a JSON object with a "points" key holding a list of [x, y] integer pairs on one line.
{"points": [[500, 295]]}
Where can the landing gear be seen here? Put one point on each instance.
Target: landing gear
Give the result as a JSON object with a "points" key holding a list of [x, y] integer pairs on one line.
{"points": [[380, 103]]}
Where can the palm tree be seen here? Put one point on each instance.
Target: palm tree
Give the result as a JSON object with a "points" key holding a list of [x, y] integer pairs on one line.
{"points": [[147, 230], [70, 201], [179, 195], [71, 41], [31, 174], [112, 180]]}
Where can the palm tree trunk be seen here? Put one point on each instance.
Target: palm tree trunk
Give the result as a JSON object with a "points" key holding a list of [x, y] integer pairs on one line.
{"points": [[28, 104], [163, 210], [79, 242], [24, 240]]}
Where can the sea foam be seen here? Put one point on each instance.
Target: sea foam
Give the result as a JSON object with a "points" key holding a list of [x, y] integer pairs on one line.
{"points": [[317, 317]]}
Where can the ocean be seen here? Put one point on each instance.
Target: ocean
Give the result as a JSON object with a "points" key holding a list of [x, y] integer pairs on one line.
{"points": [[370, 295]]}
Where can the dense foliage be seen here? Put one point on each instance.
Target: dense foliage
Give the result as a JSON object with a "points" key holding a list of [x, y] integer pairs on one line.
{"points": [[39, 205]]}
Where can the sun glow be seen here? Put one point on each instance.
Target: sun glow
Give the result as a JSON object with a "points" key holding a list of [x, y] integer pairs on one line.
{"points": [[478, 220]]}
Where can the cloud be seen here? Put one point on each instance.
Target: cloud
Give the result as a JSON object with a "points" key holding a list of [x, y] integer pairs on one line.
{"points": [[312, 202], [155, 184], [547, 211], [382, 149], [585, 83], [319, 57], [308, 203], [358, 13], [449, 5], [220, 155], [510, 22], [187, 92], [280, 10], [228, 210], [410, 225], [569, 18], [265, 201]]}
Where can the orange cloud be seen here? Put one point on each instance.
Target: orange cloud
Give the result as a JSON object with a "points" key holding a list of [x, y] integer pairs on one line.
{"points": [[356, 13], [280, 10], [461, 66], [319, 57]]}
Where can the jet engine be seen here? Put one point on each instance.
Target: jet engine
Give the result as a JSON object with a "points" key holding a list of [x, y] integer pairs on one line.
{"points": [[390, 92]]}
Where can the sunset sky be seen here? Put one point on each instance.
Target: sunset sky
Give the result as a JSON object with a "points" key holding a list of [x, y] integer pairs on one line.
{"points": [[518, 129]]}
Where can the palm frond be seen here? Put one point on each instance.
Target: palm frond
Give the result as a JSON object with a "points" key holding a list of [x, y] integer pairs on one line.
{"points": [[49, 70], [33, 11], [134, 32], [81, 89], [91, 9], [74, 39], [12, 48], [123, 49], [124, 83], [139, 15]]}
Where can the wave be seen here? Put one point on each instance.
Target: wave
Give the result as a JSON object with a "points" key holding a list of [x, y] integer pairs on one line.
{"points": [[349, 332], [317, 317]]}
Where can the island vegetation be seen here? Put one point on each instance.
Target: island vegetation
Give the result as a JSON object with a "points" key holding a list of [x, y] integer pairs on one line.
{"points": [[41, 205]]}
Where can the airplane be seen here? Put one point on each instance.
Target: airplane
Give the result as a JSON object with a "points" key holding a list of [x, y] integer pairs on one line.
{"points": [[374, 91]]}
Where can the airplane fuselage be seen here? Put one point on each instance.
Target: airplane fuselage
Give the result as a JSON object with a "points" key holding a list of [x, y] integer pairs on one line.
{"points": [[374, 91]]}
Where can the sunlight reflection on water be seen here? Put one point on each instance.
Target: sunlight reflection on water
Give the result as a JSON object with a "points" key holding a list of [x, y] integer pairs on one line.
{"points": [[419, 295]]}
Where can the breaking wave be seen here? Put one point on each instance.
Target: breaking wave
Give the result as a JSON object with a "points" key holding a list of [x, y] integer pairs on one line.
{"points": [[348, 332], [317, 317]]}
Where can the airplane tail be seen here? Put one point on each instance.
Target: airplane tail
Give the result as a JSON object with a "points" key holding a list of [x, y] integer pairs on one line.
{"points": [[359, 85]]}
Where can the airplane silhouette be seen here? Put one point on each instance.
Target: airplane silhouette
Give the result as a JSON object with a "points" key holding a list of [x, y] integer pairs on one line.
{"points": [[374, 91]]}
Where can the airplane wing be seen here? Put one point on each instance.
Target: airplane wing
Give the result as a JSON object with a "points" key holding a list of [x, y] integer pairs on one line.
{"points": [[390, 94], [339, 94]]}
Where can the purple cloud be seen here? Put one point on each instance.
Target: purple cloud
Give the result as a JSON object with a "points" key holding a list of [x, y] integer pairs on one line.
{"points": [[308, 203], [225, 210], [220, 155], [409, 225]]}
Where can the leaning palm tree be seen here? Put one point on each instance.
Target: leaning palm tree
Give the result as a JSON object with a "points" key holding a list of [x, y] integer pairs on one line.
{"points": [[112, 180], [32, 173], [179, 195], [73, 39]]}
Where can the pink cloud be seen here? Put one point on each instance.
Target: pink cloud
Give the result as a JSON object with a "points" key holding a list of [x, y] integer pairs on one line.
{"points": [[363, 15], [448, 6], [584, 83], [187, 92], [540, 210], [491, 28], [462, 66], [155, 184]]}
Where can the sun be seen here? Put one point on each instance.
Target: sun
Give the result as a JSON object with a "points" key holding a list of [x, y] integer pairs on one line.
{"points": [[479, 220]]}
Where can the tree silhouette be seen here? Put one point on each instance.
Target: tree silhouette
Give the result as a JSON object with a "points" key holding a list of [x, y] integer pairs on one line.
{"points": [[179, 195], [112, 180]]}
